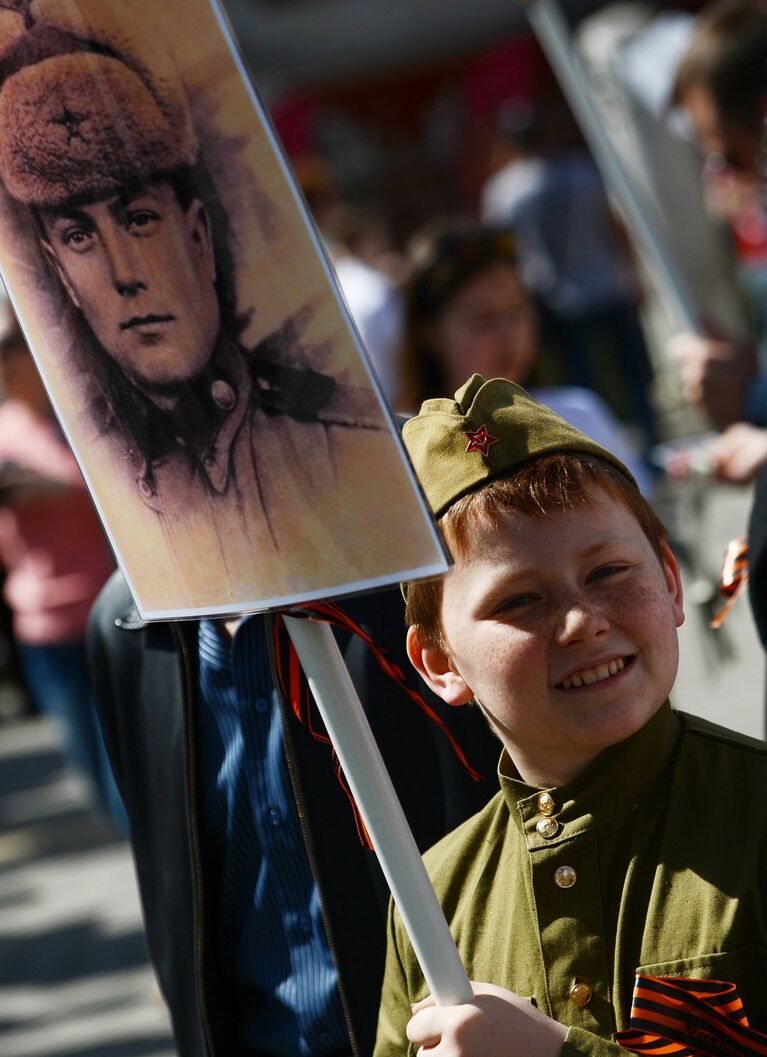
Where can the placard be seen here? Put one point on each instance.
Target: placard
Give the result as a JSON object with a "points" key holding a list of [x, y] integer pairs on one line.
{"points": [[185, 320]]}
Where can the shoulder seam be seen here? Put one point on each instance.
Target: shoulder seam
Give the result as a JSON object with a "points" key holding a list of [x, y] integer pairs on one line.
{"points": [[693, 725]]}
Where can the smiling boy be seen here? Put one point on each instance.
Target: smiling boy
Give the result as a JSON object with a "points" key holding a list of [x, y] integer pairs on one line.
{"points": [[627, 841]]}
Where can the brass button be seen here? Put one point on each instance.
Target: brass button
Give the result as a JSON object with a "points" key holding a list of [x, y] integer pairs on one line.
{"points": [[547, 827], [580, 995], [546, 804], [565, 877]]}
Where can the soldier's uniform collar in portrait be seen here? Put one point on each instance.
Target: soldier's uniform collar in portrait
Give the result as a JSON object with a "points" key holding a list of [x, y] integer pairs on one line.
{"points": [[199, 431]]}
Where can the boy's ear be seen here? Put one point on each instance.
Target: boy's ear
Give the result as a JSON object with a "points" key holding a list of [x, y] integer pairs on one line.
{"points": [[674, 583], [436, 669]]}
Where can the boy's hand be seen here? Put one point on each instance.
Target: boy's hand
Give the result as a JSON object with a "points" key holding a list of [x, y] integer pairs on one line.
{"points": [[497, 1023]]}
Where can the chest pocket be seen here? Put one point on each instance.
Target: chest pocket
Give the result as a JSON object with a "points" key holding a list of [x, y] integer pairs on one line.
{"points": [[746, 968]]}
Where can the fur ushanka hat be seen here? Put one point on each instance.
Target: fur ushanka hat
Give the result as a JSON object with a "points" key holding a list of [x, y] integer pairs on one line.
{"points": [[80, 118]]}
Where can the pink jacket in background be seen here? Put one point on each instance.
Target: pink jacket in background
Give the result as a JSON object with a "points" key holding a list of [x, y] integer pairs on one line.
{"points": [[52, 546]]}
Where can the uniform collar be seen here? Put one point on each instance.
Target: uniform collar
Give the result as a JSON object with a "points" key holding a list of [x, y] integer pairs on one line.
{"points": [[203, 424], [208, 411], [610, 788]]}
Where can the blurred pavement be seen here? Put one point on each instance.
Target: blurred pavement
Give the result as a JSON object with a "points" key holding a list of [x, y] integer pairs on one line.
{"points": [[74, 978]]}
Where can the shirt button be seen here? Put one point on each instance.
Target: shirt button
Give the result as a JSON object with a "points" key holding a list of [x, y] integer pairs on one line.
{"points": [[546, 804], [274, 816], [580, 995], [547, 828], [262, 704], [565, 877], [305, 923], [223, 395]]}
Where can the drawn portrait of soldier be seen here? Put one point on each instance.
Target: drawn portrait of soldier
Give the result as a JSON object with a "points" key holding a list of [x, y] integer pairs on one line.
{"points": [[268, 469]]}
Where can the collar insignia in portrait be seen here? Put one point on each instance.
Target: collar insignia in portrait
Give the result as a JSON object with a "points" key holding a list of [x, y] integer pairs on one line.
{"points": [[479, 440]]}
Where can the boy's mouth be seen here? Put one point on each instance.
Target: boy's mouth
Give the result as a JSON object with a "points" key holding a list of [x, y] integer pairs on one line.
{"points": [[597, 674]]}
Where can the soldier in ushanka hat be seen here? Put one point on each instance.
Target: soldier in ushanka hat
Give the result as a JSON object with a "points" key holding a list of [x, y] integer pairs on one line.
{"points": [[608, 897], [101, 147]]}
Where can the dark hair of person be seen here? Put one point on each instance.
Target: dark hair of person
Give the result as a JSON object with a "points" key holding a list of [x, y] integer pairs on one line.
{"points": [[444, 259], [564, 480], [728, 58]]}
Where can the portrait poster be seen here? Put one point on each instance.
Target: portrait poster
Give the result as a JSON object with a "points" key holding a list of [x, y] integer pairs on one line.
{"points": [[185, 320]]}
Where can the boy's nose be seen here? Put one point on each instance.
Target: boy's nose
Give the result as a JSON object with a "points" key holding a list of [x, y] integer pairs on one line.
{"points": [[579, 621]]}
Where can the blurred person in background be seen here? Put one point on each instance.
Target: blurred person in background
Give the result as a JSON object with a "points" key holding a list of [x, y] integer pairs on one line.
{"points": [[572, 256], [375, 305], [367, 266], [368, 269], [468, 310], [722, 85], [56, 561]]}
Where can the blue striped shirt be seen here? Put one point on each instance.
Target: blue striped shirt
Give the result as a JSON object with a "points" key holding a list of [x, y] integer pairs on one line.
{"points": [[271, 937]]}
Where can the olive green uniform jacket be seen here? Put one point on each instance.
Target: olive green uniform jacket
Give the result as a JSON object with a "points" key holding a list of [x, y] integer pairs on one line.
{"points": [[665, 836]]}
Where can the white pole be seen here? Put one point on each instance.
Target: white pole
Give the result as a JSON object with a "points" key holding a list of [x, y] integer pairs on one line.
{"points": [[553, 32], [349, 730]]}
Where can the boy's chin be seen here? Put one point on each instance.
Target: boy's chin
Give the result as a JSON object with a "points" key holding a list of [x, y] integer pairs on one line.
{"points": [[621, 722]]}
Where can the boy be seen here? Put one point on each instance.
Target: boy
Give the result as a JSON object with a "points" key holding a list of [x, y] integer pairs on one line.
{"points": [[626, 840]]}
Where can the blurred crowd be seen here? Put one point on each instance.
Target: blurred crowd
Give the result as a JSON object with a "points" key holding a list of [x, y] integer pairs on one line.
{"points": [[540, 280]]}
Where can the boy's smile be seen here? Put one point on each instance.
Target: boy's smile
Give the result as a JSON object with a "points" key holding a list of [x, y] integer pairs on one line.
{"points": [[564, 629]]}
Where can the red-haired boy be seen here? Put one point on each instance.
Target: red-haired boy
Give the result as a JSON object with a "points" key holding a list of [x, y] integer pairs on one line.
{"points": [[626, 849]]}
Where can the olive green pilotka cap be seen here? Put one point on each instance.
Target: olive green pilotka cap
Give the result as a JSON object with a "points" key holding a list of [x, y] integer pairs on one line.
{"points": [[489, 428]]}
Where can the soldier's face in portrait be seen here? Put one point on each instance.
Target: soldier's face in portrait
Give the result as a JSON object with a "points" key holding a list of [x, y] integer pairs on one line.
{"points": [[140, 268]]}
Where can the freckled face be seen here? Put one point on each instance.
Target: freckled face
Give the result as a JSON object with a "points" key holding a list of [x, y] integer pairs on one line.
{"points": [[564, 629], [141, 270]]}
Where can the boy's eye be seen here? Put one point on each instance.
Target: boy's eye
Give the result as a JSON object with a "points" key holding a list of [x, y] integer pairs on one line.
{"points": [[516, 602], [605, 571]]}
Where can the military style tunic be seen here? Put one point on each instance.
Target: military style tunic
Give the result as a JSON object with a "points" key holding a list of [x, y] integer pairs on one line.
{"points": [[652, 861]]}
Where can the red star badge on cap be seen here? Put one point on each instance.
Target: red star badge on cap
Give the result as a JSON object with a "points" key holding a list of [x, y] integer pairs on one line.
{"points": [[479, 440]]}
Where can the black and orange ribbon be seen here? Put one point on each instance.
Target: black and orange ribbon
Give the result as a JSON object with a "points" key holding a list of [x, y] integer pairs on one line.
{"points": [[295, 687], [734, 579], [691, 1018]]}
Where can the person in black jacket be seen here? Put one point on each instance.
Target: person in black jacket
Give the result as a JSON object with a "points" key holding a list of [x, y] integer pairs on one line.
{"points": [[210, 935]]}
